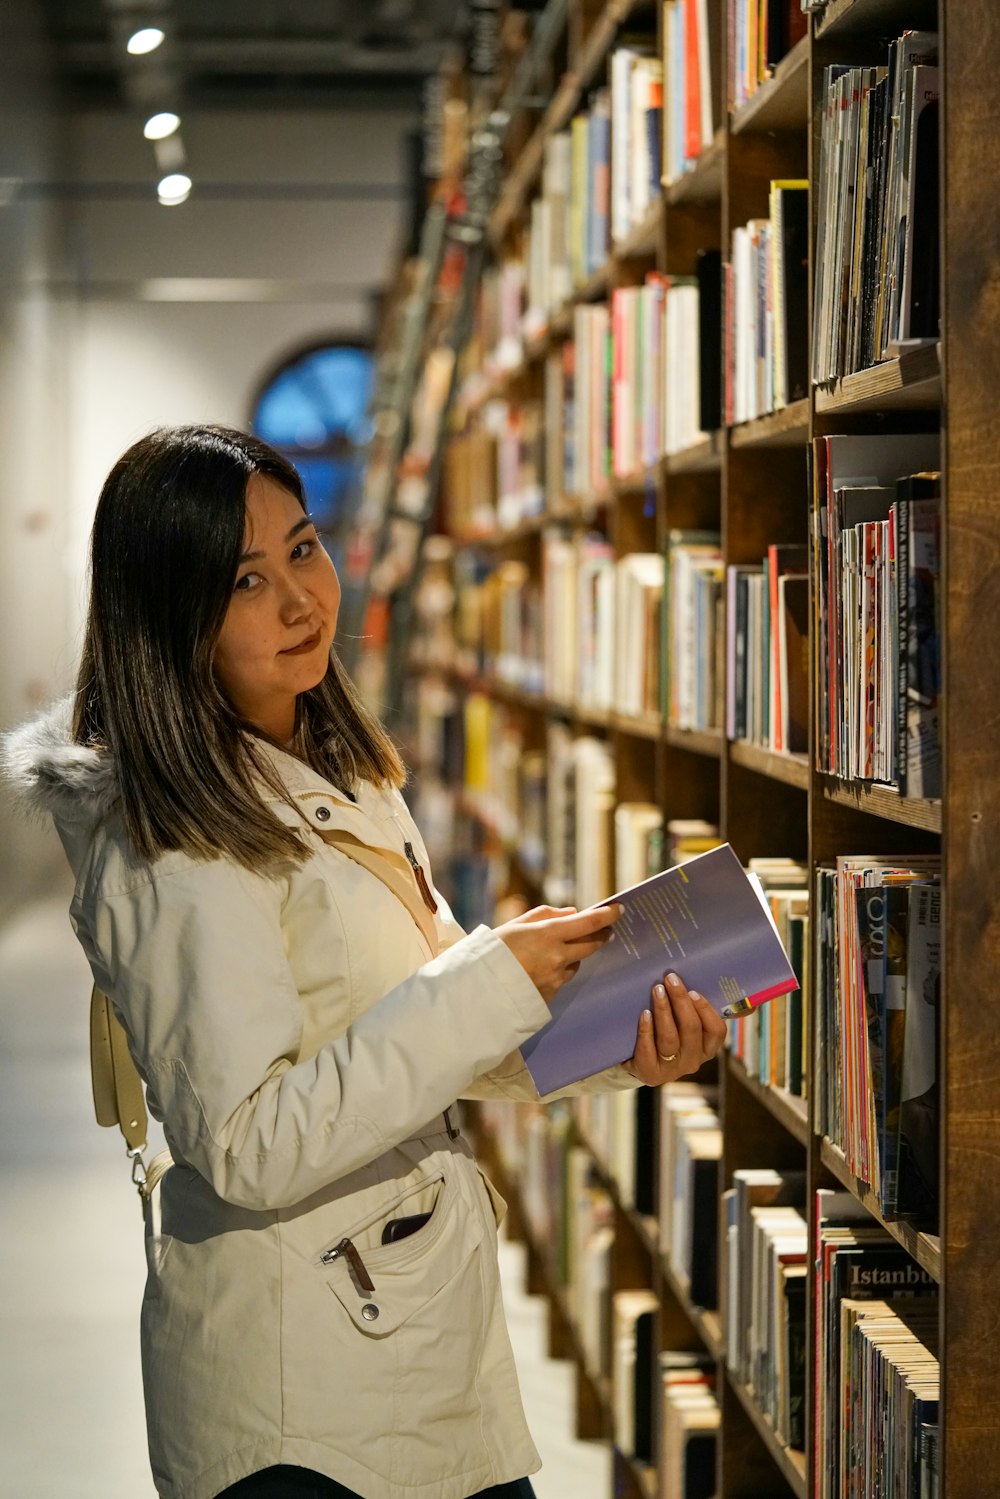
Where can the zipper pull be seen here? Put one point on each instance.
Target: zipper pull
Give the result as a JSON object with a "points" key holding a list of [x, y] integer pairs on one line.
{"points": [[421, 879], [357, 1265]]}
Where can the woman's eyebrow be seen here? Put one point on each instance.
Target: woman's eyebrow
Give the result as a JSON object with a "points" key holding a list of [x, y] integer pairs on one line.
{"points": [[299, 525]]}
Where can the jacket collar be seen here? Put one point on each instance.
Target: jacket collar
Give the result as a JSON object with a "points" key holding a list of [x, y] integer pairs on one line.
{"points": [[78, 787]]}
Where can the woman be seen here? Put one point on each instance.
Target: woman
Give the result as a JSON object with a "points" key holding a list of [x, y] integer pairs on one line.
{"points": [[322, 1312]]}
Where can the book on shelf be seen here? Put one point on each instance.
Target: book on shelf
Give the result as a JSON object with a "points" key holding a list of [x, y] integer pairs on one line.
{"points": [[637, 848], [692, 52], [690, 1421], [593, 353], [763, 1277], [878, 965], [693, 673], [636, 115], [774, 1050], [550, 272], [706, 918], [856, 1263], [633, 1364], [877, 277], [868, 724], [767, 650], [590, 187], [767, 294], [639, 597], [682, 360], [637, 334], [683, 1107], [761, 33]]}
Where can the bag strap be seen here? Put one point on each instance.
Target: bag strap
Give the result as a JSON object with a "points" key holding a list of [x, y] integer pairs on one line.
{"points": [[118, 1096], [394, 872]]}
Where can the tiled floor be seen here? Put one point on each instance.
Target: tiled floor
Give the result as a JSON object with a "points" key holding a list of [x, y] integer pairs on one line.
{"points": [[72, 1266]]}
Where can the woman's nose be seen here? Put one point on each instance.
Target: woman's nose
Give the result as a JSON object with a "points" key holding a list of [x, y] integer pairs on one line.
{"points": [[296, 601]]}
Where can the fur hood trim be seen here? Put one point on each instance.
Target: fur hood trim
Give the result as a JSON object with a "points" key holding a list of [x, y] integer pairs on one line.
{"points": [[50, 774]]}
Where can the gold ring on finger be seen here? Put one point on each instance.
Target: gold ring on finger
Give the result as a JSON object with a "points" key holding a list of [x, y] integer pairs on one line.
{"points": [[672, 1057]]}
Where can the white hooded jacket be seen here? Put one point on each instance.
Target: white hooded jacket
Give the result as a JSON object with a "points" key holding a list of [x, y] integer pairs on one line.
{"points": [[299, 1037]]}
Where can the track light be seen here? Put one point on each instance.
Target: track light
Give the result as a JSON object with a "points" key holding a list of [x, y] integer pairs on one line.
{"points": [[145, 40], [173, 189], [159, 126]]}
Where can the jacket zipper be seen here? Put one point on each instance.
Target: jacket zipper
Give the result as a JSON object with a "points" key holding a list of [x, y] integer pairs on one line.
{"points": [[421, 879], [348, 1249]]}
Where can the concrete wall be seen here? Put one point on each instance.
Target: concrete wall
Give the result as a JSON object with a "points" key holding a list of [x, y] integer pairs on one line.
{"points": [[35, 658], [127, 315]]}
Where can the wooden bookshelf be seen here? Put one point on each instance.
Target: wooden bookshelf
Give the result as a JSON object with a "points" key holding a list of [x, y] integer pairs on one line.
{"points": [[782, 103], [703, 183], [749, 483], [642, 242], [910, 383], [702, 457], [698, 741], [884, 801], [844, 17], [792, 1113], [925, 1248], [793, 770], [788, 427], [791, 1464]]}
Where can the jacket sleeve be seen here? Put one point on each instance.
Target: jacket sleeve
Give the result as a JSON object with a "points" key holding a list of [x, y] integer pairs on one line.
{"points": [[513, 1080], [196, 967]]}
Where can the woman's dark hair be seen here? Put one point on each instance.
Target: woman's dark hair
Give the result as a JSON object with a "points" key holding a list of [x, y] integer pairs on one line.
{"points": [[165, 551]]}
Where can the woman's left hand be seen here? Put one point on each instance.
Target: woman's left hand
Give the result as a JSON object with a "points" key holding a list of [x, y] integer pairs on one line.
{"points": [[677, 1036]]}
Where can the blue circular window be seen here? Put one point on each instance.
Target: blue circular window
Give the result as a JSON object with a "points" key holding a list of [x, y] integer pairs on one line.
{"points": [[314, 410]]}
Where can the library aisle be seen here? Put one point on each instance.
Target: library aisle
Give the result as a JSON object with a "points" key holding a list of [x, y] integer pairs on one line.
{"points": [[72, 1267]]}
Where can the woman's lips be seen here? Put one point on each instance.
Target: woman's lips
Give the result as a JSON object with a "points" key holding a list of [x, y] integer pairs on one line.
{"points": [[305, 646]]}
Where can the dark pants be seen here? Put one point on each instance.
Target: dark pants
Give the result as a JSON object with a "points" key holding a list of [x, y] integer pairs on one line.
{"points": [[303, 1483]]}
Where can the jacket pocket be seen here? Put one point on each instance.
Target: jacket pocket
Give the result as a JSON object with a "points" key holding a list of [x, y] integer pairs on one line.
{"points": [[497, 1203], [399, 1279]]}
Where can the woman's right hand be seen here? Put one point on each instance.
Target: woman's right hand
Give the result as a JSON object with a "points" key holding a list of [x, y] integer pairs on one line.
{"points": [[551, 942]]}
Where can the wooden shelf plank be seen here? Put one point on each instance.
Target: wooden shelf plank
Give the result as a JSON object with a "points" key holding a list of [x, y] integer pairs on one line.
{"points": [[641, 726], [883, 801], [910, 383], [699, 741], [925, 1248], [786, 428], [595, 286], [790, 1111], [701, 457], [645, 481], [793, 770], [782, 103], [791, 1463], [643, 1475], [707, 1324], [643, 240], [844, 16], [703, 184]]}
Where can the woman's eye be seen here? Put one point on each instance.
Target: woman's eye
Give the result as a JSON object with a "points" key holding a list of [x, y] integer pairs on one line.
{"points": [[303, 549], [247, 583]]}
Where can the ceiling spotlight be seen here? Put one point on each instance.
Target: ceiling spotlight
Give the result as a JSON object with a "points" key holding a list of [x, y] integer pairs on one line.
{"points": [[146, 40], [158, 127], [173, 189]]}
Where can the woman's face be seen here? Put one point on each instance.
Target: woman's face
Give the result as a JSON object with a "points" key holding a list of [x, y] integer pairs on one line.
{"points": [[276, 638]]}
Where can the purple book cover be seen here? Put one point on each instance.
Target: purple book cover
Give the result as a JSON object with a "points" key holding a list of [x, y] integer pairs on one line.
{"points": [[707, 921]]}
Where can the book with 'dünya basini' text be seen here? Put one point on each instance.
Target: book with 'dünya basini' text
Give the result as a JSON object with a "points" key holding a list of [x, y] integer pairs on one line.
{"points": [[706, 920]]}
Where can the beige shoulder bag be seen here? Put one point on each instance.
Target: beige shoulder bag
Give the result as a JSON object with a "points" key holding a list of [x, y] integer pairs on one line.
{"points": [[118, 1095]]}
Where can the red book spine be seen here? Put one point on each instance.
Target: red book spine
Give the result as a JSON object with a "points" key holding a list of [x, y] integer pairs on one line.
{"points": [[692, 82]]}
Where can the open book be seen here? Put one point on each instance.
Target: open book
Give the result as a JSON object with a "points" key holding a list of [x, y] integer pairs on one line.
{"points": [[706, 920]]}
